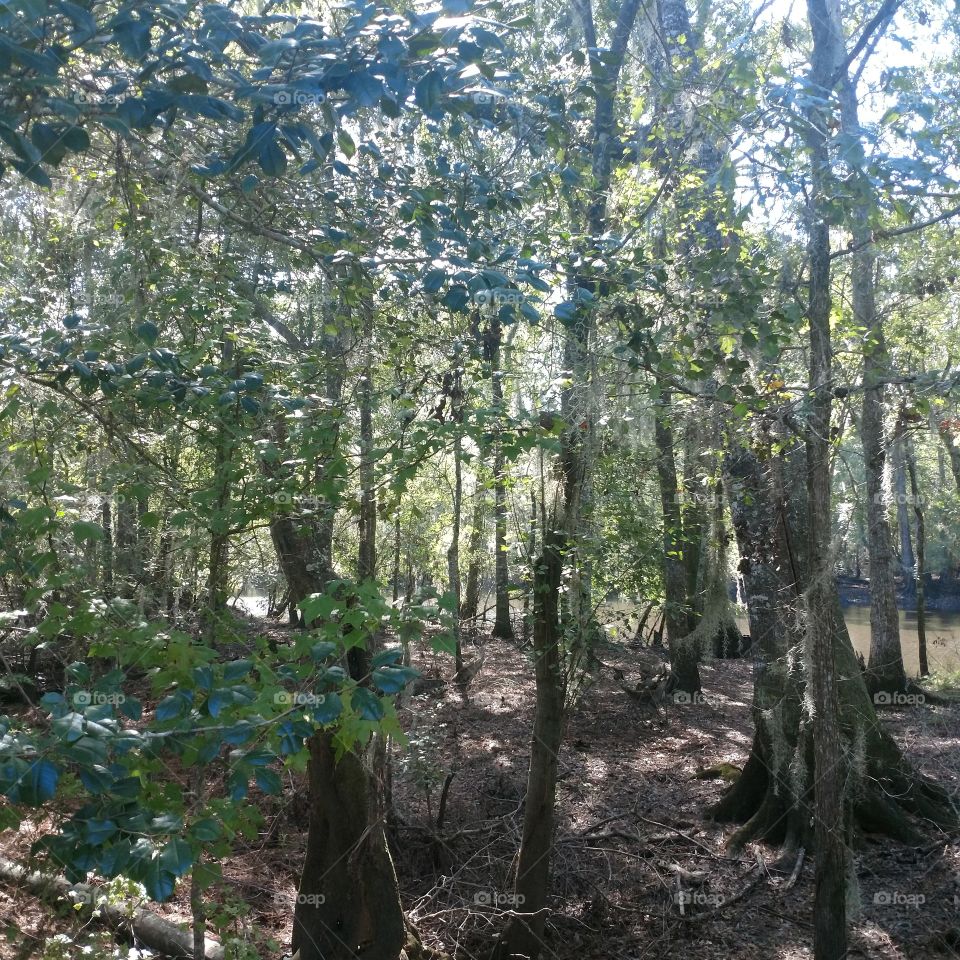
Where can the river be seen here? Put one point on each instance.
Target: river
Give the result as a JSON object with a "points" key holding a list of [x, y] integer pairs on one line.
{"points": [[943, 634]]}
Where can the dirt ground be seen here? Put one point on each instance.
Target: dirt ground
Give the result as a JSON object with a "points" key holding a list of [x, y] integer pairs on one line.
{"points": [[638, 870]]}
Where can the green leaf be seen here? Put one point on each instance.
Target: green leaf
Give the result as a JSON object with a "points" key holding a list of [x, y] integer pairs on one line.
{"points": [[206, 874], [367, 704], [176, 857], [328, 709], [148, 332], [237, 669], [346, 144], [428, 91], [393, 679], [272, 159], [86, 532], [206, 830], [268, 781], [99, 831]]}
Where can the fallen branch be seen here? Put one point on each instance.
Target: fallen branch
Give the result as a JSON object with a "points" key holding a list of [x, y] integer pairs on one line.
{"points": [[147, 928]]}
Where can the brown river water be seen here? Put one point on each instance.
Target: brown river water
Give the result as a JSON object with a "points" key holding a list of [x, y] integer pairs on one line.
{"points": [[943, 638], [943, 634]]}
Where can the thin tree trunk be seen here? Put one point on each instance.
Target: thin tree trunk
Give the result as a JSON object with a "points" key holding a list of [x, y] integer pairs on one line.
{"points": [[563, 542], [471, 600], [453, 553], [684, 658], [502, 625], [885, 666], [528, 595], [106, 523], [524, 934], [367, 556], [907, 559], [830, 885], [921, 567], [947, 432], [396, 556]]}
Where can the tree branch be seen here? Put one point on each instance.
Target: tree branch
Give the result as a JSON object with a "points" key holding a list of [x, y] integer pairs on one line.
{"points": [[899, 232], [887, 9]]}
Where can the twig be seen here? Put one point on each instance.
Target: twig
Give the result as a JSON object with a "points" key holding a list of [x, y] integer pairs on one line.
{"points": [[796, 870]]}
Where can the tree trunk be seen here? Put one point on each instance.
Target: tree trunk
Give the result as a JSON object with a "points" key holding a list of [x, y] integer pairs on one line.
{"points": [[921, 568], [125, 544], [684, 657], [502, 625], [106, 523], [772, 797], [395, 579], [367, 556], [471, 600], [907, 559], [948, 431], [765, 798], [453, 553], [564, 541], [831, 813], [348, 903], [523, 936], [885, 666]]}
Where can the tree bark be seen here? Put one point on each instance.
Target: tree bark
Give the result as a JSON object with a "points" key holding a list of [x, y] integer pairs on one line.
{"points": [[684, 657], [106, 524], [885, 666], [523, 936], [502, 625], [920, 572], [348, 902], [475, 546], [453, 553], [367, 555], [563, 543], [907, 558], [831, 813], [773, 796]]}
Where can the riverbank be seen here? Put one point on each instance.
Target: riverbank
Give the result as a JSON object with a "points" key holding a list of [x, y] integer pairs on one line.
{"points": [[940, 596]]}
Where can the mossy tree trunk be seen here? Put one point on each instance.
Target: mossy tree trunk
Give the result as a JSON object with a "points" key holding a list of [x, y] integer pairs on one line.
{"points": [[684, 654], [565, 560], [772, 799]]}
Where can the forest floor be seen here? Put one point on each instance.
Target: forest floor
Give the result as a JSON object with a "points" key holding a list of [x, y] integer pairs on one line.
{"points": [[638, 869]]}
